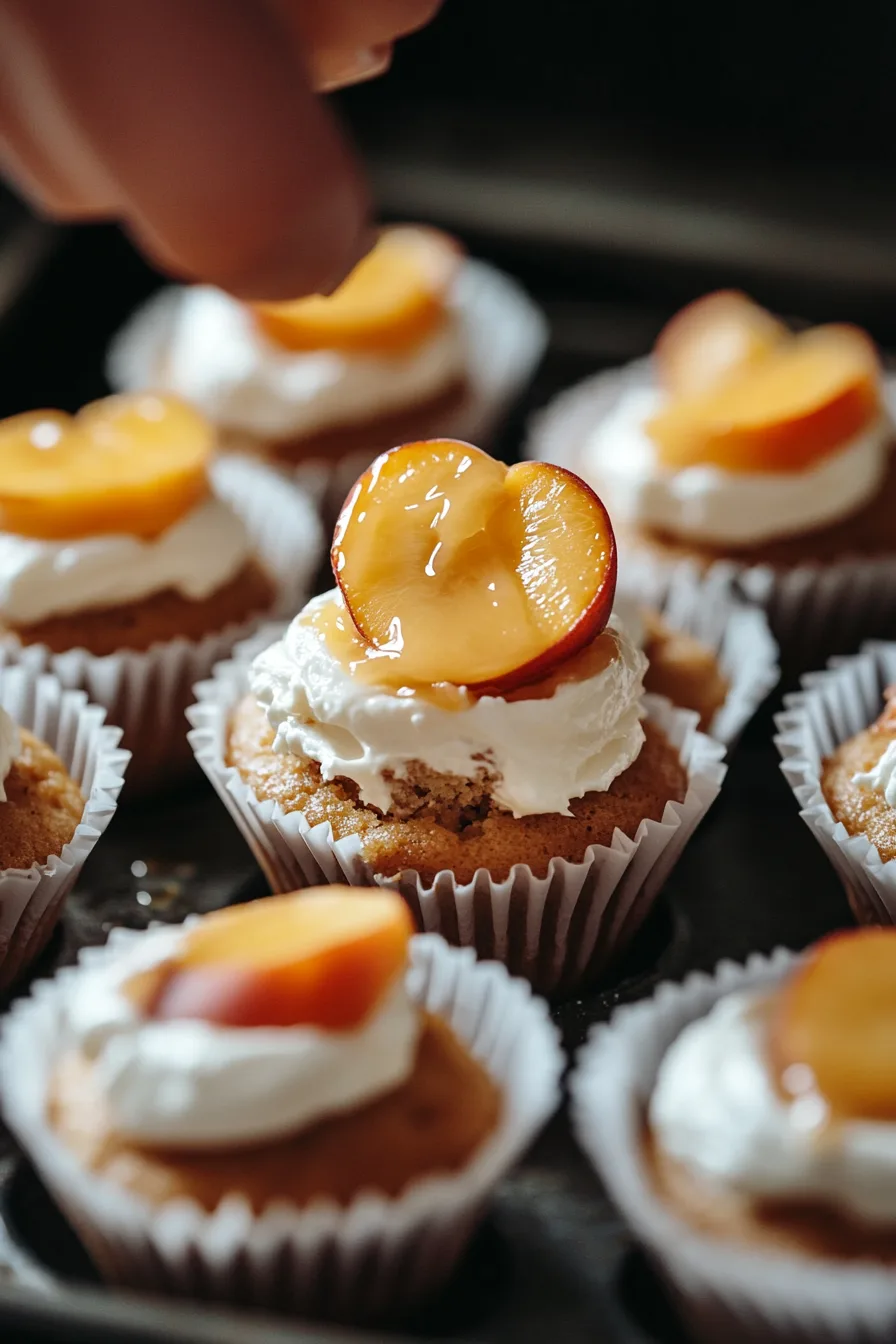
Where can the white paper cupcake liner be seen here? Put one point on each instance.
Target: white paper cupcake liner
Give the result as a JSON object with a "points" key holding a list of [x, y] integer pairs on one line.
{"points": [[814, 609], [506, 335], [376, 1256], [147, 692], [726, 1292], [833, 706], [559, 931], [31, 899], [704, 606]]}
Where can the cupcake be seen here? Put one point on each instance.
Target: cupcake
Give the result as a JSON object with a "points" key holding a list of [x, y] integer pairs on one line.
{"points": [[744, 1126], [836, 739], [707, 649], [744, 445], [289, 1104], [463, 718], [417, 341], [61, 772], [130, 563]]}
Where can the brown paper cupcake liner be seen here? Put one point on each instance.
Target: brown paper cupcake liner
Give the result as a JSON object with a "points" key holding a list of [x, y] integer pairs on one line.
{"points": [[375, 1257], [736, 632], [146, 693], [31, 899], [559, 931], [833, 706], [812, 608], [741, 1296]]}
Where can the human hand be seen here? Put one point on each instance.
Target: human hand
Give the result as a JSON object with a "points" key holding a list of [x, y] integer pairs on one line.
{"points": [[197, 123]]}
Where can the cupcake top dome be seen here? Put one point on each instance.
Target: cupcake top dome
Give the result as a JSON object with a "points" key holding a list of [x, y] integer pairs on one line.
{"points": [[253, 1021], [110, 506], [472, 630]]}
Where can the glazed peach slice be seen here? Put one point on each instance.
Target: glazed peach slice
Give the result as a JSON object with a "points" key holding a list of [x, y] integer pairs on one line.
{"points": [[835, 1022], [468, 572], [393, 298], [129, 464], [712, 338], [323, 957], [809, 396]]}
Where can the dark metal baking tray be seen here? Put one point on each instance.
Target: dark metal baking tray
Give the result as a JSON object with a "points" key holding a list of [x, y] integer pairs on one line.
{"points": [[552, 1259]]}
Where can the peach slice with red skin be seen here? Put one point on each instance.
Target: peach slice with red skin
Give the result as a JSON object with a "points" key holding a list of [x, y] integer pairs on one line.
{"points": [[809, 396], [470, 572], [392, 299], [322, 957], [836, 1018], [128, 464], [712, 338]]}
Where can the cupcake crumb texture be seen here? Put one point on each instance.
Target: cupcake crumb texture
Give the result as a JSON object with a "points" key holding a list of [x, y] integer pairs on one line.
{"points": [[43, 806], [442, 835]]}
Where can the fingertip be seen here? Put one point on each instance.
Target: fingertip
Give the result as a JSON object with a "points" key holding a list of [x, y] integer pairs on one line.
{"points": [[309, 250]]}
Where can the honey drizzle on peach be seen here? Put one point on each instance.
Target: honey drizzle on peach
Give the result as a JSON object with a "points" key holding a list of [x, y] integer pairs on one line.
{"points": [[474, 573]]}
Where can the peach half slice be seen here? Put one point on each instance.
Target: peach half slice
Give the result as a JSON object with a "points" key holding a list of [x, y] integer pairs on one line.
{"points": [[322, 957], [394, 297], [129, 464], [468, 572], [809, 396], [835, 1020], [712, 338]]}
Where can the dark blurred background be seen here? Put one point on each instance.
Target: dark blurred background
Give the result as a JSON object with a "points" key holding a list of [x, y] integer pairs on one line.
{"points": [[619, 158]]}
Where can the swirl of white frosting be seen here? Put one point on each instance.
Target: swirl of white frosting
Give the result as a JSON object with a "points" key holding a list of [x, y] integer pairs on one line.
{"points": [[196, 556], [10, 746], [542, 752], [709, 504], [882, 776], [192, 1084], [206, 347], [715, 1109]]}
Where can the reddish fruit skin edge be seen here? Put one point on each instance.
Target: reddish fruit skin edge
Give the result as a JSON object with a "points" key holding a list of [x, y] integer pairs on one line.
{"points": [[590, 624]]}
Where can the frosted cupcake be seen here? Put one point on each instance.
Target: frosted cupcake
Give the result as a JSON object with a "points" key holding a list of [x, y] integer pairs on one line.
{"points": [[222, 1106], [742, 444], [418, 341], [706, 650], [837, 739], [61, 772], [744, 1125], [463, 718], [129, 563]]}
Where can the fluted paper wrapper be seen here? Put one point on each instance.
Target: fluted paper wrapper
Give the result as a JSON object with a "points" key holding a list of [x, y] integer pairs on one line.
{"points": [[559, 931], [375, 1257], [741, 1296], [704, 606], [833, 706], [814, 609], [146, 693], [31, 899]]}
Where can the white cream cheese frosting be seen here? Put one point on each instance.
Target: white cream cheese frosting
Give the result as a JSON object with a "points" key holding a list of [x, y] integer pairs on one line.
{"points": [[10, 746], [882, 776], [715, 1109], [541, 753], [196, 556], [187, 1083], [711, 505], [206, 347]]}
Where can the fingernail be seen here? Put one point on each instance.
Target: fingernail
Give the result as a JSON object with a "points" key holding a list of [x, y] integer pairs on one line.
{"points": [[366, 243], [332, 70]]}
